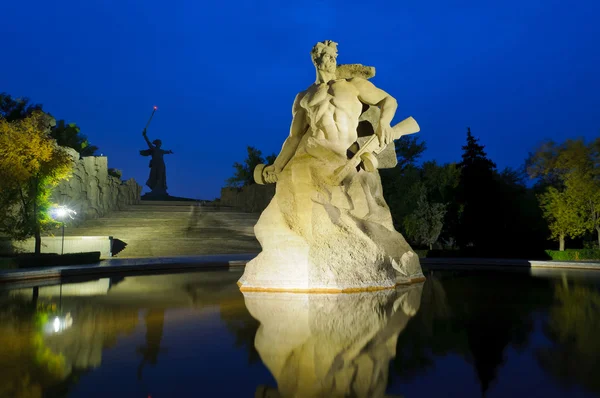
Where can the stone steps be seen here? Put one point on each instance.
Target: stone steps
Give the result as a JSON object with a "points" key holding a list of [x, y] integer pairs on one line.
{"points": [[160, 229]]}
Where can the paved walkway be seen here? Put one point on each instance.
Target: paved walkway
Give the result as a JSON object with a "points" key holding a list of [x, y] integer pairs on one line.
{"points": [[225, 261]]}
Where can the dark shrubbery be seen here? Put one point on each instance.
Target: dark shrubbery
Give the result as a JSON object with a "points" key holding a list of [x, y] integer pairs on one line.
{"points": [[524, 254], [574, 254], [567, 255], [115, 173]]}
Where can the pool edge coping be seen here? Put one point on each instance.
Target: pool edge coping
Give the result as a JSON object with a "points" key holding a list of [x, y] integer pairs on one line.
{"points": [[226, 261]]}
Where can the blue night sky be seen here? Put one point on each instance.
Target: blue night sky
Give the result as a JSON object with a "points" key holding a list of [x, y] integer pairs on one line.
{"points": [[224, 74]]}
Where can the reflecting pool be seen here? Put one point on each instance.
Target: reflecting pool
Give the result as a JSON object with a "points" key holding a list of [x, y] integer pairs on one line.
{"points": [[459, 334]]}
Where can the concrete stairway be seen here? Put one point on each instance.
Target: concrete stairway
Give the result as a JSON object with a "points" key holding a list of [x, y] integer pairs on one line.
{"points": [[156, 229]]}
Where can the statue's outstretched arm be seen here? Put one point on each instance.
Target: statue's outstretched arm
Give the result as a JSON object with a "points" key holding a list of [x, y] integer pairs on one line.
{"points": [[147, 140], [371, 95]]}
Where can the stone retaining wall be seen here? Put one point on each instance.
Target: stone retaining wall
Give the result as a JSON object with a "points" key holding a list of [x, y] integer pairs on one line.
{"points": [[91, 191], [252, 199]]}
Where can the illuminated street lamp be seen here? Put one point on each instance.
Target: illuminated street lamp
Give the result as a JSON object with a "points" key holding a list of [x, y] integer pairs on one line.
{"points": [[61, 213]]}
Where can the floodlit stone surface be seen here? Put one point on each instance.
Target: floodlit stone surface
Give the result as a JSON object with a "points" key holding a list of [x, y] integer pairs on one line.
{"points": [[328, 226], [349, 71], [91, 191], [330, 345]]}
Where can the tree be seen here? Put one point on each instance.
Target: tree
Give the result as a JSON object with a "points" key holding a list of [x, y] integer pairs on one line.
{"points": [[570, 174], [563, 212], [593, 209], [400, 192], [585, 189], [551, 164], [476, 196], [12, 109], [399, 183], [496, 213], [519, 216], [31, 164], [424, 225], [402, 184], [69, 135], [585, 182], [442, 182], [270, 159], [408, 150], [244, 172]]}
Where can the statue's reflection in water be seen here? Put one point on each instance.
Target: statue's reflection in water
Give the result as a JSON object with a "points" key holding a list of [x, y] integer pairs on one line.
{"points": [[330, 345], [155, 319]]}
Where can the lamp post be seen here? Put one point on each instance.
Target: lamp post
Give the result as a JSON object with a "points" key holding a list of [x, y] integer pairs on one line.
{"points": [[61, 213]]}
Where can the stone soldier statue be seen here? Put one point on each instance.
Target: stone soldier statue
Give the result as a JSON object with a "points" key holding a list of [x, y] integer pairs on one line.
{"points": [[328, 226]]}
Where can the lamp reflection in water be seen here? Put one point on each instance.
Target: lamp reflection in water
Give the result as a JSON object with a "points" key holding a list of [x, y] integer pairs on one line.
{"points": [[58, 323], [330, 345]]}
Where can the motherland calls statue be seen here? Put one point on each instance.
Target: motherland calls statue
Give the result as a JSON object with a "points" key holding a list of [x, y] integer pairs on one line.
{"points": [[328, 227], [157, 181]]}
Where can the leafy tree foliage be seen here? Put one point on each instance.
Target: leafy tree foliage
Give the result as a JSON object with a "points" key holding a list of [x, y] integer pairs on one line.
{"points": [[403, 188], [400, 193], [442, 182], [563, 214], [399, 183], [66, 134], [270, 159], [115, 173], [244, 172], [475, 195], [12, 109], [69, 135], [494, 213], [568, 175], [590, 194], [519, 228], [408, 150], [31, 164], [424, 224]]}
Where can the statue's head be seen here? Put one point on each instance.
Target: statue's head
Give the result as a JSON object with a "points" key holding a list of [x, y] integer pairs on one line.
{"points": [[157, 143], [324, 55]]}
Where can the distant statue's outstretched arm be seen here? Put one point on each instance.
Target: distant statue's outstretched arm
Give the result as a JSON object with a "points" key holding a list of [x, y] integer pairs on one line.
{"points": [[147, 140]]}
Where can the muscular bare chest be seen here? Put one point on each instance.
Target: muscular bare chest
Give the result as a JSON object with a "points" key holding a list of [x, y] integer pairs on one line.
{"points": [[337, 94]]}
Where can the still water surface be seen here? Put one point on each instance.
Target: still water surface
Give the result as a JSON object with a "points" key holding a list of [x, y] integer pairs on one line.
{"points": [[458, 334]]}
